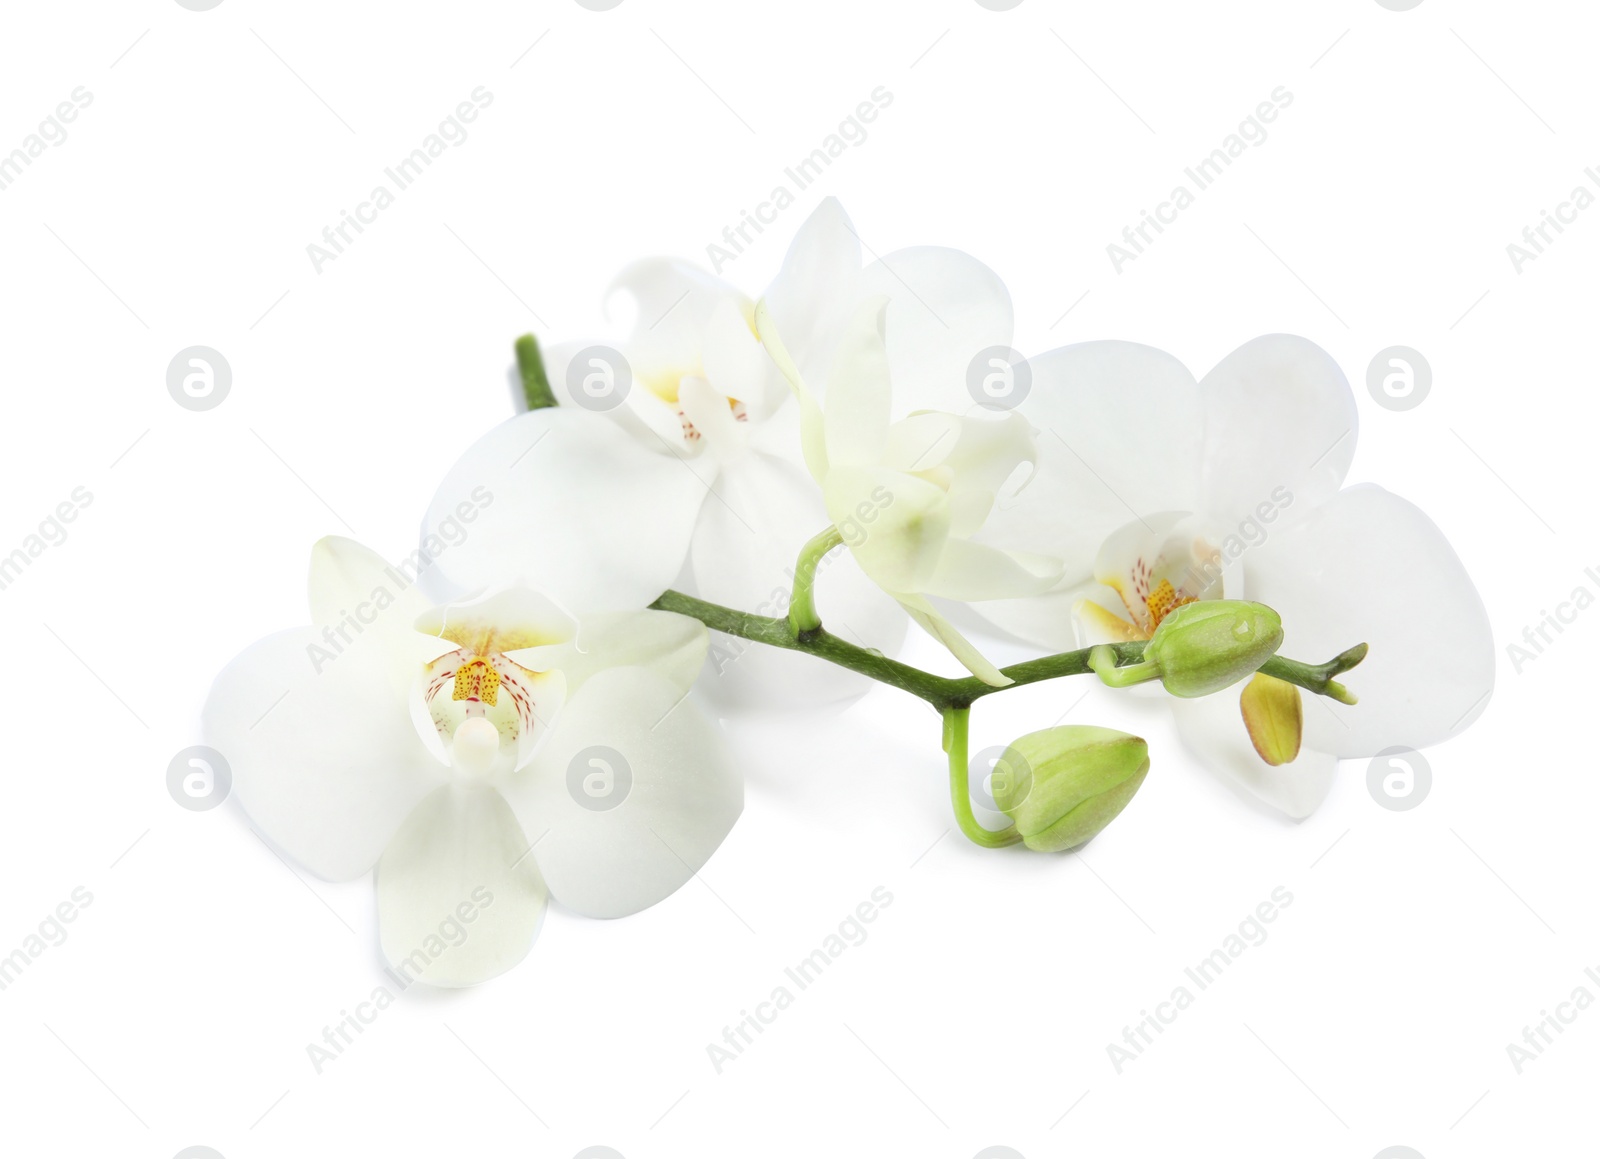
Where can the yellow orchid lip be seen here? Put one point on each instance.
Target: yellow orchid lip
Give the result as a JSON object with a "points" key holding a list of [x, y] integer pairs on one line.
{"points": [[1164, 599], [477, 680], [1146, 609], [1103, 621]]}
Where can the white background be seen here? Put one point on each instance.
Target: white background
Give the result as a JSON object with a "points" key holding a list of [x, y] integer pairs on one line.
{"points": [[1418, 945]]}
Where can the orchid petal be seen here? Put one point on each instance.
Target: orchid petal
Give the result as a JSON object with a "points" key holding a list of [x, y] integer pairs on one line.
{"points": [[896, 524], [324, 755], [945, 308], [1370, 566], [960, 647], [670, 645], [856, 418], [986, 456], [344, 573], [971, 571], [459, 899], [354, 590], [631, 733], [814, 291], [1119, 437], [1054, 620], [673, 304], [1279, 419], [813, 434], [500, 622], [735, 363], [643, 414], [707, 410], [922, 442], [566, 503]]}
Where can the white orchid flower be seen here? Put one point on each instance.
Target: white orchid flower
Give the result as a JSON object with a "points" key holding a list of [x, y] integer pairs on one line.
{"points": [[482, 756], [1158, 490], [704, 392], [906, 497]]}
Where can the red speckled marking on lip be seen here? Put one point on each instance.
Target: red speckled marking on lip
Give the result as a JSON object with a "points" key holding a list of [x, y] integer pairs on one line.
{"points": [[507, 676], [691, 433], [477, 680], [1163, 600]]}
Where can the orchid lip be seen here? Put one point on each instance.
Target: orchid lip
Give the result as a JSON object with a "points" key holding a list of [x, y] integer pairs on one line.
{"points": [[470, 695]]}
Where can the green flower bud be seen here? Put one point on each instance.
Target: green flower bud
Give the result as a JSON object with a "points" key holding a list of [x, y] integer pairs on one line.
{"points": [[1066, 784], [1273, 718], [1204, 647]]}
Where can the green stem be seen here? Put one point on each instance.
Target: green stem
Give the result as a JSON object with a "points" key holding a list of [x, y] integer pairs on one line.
{"points": [[955, 743], [936, 690], [1318, 678], [803, 616], [535, 383], [1104, 663], [945, 692]]}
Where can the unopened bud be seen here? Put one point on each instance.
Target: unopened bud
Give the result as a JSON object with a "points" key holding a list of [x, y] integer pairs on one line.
{"points": [[1204, 647], [1272, 717], [1078, 779]]}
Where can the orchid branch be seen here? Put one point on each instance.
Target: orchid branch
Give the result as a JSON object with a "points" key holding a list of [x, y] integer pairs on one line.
{"points": [[535, 382], [944, 692]]}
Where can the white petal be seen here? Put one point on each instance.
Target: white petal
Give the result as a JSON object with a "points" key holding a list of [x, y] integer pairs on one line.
{"points": [[1119, 437], [1049, 621], [922, 441], [327, 765], [737, 365], [1280, 418], [644, 415], [709, 413], [628, 741], [1119, 432], [501, 621], [970, 571], [813, 435], [812, 294], [459, 900], [896, 524], [355, 591], [673, 303], [1369, 566], [779, 435], [856, 413], [344, 573], [567, 504], [987, 457], [945, 308], [671, 645], [960, 647], [1213, 730]]}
